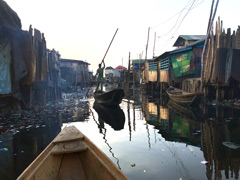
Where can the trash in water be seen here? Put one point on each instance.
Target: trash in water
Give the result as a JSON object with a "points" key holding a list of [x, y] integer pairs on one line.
{"points": [[191, 149], [231, 145], [133, 164], [4, 149], [144, 170], [204, 162], [196, 131]]}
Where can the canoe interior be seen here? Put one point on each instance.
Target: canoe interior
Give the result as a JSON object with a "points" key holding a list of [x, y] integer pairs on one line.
{"points": [[184, 98], [75, 159]]}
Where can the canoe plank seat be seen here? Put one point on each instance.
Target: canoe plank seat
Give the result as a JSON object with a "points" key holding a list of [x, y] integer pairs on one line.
{"points": [[68, 134], [69, 147], [69, 143]]}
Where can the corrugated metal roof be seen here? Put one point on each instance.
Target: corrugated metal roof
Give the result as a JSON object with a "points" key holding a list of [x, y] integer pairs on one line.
{"points": [[199, 43], [180, 50], [192, 37], [182, 38]]}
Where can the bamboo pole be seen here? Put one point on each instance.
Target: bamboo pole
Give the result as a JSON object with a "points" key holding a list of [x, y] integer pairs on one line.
{"points": [[154, 44], [211, 19], [105, 55], [147, 42]]}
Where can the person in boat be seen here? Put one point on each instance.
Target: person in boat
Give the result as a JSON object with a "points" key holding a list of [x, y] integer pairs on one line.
{"points": [[99, 75]]}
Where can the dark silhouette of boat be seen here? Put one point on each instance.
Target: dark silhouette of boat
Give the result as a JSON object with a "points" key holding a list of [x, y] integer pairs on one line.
{"points": [[111, 98], [114, 116]]}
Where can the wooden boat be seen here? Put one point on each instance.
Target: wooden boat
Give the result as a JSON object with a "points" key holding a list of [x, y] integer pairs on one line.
{"points": [[114, 116], [184, 98], [71, 155], [111, 98]]}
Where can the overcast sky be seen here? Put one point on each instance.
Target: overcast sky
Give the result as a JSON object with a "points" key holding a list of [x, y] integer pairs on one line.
{"points": [[83, 29]]}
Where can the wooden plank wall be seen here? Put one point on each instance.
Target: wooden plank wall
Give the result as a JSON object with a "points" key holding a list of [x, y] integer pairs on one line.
{"points": [[218, 39], [192, 85]]}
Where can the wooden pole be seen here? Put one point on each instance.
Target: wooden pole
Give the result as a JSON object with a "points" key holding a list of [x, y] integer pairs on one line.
{"points": [[104, 56], [211, 19], [147, 42], [128, 80], [154, 44], [109, 46]]}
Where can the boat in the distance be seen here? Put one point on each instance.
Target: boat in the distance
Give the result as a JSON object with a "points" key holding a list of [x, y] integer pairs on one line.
{"points": [[184, 98], [71, 155], [110, 98]]}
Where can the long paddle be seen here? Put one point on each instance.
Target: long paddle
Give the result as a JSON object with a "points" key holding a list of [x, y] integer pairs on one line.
{"points": [[104, 57]]}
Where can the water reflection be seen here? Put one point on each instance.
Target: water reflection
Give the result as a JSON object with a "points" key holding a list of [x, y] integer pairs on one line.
{"points": [[159, 140], [216, 132], [102, 129], [222, 161], [192, 113], [23, 147], [114, 116]]}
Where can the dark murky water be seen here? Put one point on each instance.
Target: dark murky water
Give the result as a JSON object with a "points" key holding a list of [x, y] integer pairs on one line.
{"points": [[149, 140]]}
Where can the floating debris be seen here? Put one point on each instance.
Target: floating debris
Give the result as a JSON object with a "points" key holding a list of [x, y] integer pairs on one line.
{"points": [[231, 145], [3, 149], [204, 162], [191, 149], [133, 164]]}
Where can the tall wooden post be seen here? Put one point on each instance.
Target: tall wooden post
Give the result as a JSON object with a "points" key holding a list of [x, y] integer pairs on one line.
{"points": [[147, 42], [154, 44]]}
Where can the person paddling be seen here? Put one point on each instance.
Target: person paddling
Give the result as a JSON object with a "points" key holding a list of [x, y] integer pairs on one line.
{"points": [[100, 78]]}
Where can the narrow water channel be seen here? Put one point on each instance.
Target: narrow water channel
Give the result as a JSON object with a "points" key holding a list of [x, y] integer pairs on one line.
{"points": [[146, 138]]}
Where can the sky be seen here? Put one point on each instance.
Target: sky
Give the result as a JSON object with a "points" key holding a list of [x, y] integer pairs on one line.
{"points": [[83, 29]]}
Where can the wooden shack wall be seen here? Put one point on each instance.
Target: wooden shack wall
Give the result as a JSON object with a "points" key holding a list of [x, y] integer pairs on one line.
{"points": [[221, 39], [220, 60]]}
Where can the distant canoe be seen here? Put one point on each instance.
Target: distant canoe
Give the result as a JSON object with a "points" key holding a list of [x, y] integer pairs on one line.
{"points": [[184, 98], [111, 98], [71, 155]]}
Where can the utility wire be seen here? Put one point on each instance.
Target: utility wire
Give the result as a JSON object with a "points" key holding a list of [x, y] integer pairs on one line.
{"points": [[179, 12], [184, 17], [194, 2], [189, 6]]}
